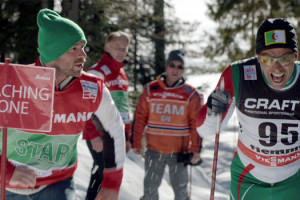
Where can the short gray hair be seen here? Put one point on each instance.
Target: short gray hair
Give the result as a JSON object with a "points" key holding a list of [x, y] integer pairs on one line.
{"points": [[117, 34]]}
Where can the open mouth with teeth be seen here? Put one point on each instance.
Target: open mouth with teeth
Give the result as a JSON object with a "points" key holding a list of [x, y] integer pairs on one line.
{"points": [[277, 78], [79, 66]]}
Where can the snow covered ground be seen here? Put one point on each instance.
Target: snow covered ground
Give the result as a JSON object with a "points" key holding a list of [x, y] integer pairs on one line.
{"points": [[132, 185]]}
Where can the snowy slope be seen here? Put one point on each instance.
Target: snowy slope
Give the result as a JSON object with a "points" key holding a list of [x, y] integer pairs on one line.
{"points": [[132, 185]]}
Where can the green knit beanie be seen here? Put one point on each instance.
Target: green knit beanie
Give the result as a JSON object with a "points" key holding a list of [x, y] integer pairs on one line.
{"points": [[56, 35]]}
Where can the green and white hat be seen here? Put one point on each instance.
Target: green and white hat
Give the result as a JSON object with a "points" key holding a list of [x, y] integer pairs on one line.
{"points": [[56, 35], [276, 33]]}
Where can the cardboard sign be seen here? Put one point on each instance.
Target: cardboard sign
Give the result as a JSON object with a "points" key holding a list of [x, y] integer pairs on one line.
{"points": [[26, 97]]}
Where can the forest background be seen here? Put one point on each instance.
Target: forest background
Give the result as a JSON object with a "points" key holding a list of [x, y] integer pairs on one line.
{"points": [[155, 30]]}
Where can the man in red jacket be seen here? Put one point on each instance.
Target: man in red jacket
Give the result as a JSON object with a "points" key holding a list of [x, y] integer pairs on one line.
{"points": [[41, 165], [110, 69]]}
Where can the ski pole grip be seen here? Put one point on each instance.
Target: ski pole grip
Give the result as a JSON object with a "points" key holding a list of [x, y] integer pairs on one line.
{"points": [[219, 117], [222, 84]]}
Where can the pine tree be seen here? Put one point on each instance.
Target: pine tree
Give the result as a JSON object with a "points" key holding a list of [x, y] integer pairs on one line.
{"points": [[238, 23], [18, 30]]}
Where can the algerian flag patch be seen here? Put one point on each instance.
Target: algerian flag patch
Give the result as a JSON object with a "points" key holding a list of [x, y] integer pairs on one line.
{"points": [[274, 37]]}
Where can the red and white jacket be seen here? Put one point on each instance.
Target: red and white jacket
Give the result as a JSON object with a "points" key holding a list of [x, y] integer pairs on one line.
{"points": [[115, 79], [53, 155]]}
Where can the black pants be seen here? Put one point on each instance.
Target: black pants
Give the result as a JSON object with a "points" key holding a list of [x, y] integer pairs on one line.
{"points": [[96, 173]]}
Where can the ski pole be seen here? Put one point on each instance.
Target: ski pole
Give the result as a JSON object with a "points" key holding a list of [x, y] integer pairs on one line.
{"points": [[190, 192], [214, 170]]}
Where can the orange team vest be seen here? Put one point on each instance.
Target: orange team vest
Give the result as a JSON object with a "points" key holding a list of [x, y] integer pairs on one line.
{"points": [[168, 129]]}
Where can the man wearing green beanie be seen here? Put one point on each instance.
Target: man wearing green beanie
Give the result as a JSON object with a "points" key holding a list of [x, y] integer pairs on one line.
{"points": [[41, 165], [56, 35]]}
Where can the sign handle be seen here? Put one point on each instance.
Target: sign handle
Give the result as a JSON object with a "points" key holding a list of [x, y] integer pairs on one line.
{"points": [[3, 163], [7, 61], [4, 152]]}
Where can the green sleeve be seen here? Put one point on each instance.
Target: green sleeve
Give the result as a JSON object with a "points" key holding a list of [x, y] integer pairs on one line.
{"points": [[235, 69]]}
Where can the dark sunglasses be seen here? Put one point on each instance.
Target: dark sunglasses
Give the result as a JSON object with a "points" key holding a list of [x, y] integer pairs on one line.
{"points": [[172, 65]]}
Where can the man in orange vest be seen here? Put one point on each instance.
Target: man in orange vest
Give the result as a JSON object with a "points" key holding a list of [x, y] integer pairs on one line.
{"points": [[168, 107]]}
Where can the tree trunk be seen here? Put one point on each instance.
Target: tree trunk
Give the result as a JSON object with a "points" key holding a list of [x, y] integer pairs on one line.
{"points": [[159, 37], [70, 9], [48, 4]]}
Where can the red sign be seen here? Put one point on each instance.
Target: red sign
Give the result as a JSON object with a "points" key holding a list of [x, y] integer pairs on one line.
{"points": [[26, 97]]}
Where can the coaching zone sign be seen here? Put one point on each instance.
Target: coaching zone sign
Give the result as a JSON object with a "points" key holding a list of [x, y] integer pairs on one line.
{"points": [[26, 97]]}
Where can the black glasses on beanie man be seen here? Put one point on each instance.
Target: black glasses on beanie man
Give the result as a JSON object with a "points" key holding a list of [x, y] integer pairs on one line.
{"points": [[173, 65]]}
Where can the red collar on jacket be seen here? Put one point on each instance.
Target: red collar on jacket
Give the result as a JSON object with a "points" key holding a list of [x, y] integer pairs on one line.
{"points": [[162, 81], [57, 88], [111, 62], [37, 62]]}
